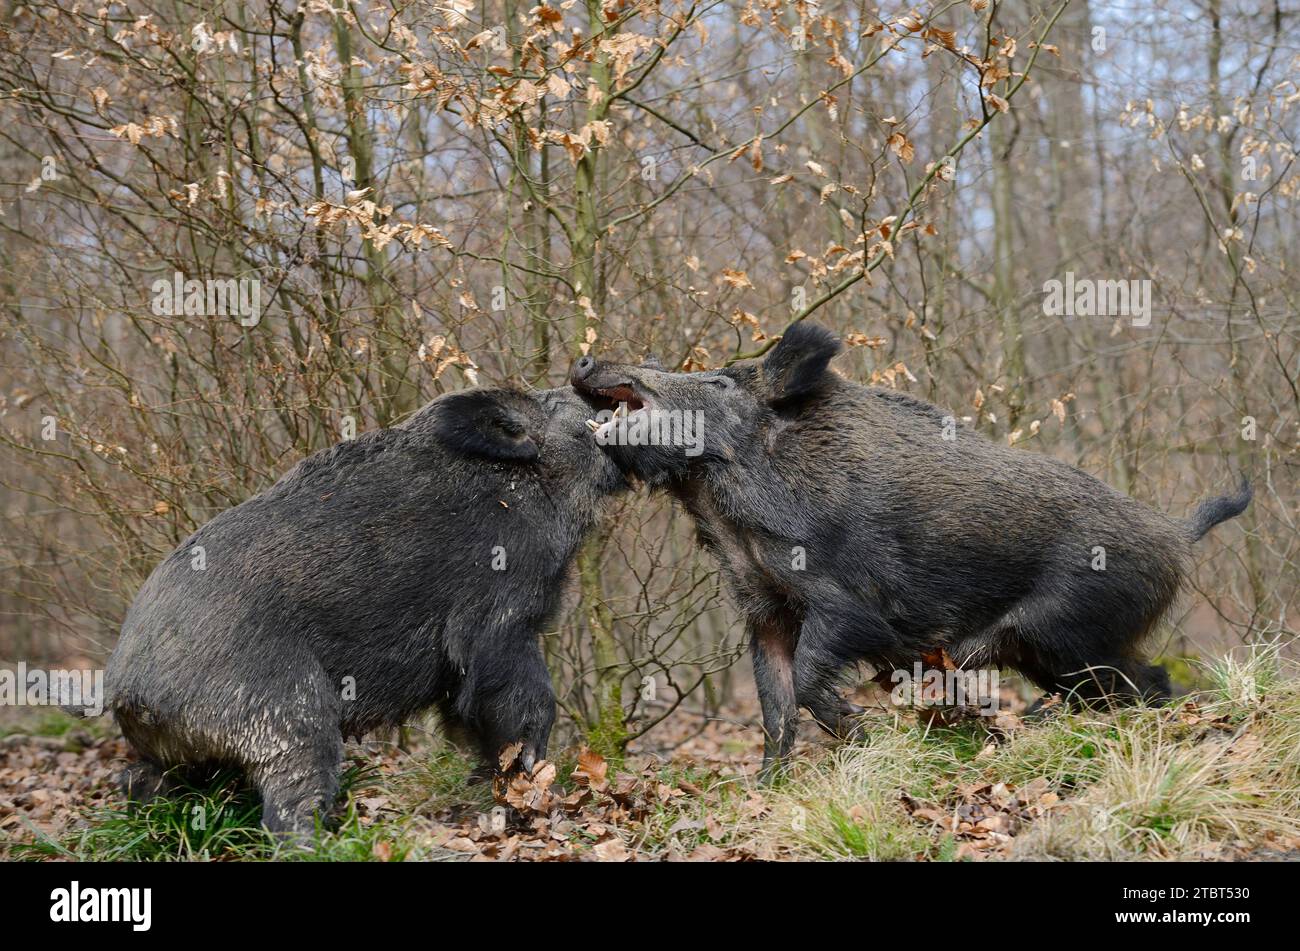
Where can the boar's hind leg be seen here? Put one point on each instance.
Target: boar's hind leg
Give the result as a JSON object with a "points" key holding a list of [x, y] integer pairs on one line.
{"points": [[771, 644], [1099, 681], [1088, 649], [1080, 632], [300, 784], [293, 753], [1123, 680]]}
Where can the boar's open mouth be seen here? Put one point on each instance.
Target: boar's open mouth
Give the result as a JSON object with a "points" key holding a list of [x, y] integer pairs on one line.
{"points": [[609, 397], [621, 400]]}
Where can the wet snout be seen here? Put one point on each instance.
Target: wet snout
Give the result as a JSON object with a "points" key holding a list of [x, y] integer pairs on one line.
{"points": [[583, 368]]}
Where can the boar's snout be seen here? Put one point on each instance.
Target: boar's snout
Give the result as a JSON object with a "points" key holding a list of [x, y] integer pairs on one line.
{"points": [[606, 385], [582, 369]]}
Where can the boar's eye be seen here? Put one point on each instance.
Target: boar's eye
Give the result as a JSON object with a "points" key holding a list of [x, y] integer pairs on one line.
{"points": [[721, 382]]}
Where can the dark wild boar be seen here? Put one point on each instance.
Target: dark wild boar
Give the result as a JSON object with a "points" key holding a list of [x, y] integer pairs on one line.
{"points": [[861, 524], [410, 568]]}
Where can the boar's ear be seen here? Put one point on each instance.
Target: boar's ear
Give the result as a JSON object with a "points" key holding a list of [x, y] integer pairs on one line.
{"points": [[651, 362], [484, 423], [797, 365]]}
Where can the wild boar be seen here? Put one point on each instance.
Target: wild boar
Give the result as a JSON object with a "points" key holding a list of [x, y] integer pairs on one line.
{"points": [[409, 568], [858, 523]]}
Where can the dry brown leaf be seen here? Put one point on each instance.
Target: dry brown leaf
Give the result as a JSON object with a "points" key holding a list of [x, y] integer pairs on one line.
{"points": [[611, 850], [591, 769], [508, 755], [900, 146], [734, 278]]}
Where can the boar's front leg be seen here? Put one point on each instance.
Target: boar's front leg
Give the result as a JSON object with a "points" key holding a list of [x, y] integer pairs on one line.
{"points": [[822, 652], [772, 645], [506, 697]]}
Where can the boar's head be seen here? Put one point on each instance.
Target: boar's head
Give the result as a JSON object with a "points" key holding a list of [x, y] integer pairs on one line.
{"points": [[662, 426], [543, 432]]}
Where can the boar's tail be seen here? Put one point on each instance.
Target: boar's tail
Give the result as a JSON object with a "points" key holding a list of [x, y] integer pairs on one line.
{"points": [[1213, 511]]}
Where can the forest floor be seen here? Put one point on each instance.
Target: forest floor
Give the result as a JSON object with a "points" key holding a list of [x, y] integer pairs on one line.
{"points": [[1214, 776]]}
